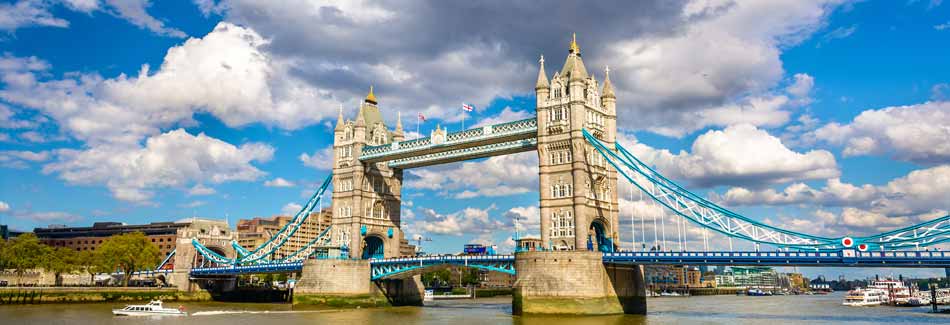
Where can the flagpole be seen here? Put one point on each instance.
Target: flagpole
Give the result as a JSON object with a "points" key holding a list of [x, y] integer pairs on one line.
{"points": [[417, 126], [463, 121]]}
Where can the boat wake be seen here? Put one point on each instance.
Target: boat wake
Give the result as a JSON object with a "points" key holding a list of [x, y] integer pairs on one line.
{"points": [[237, 312]]}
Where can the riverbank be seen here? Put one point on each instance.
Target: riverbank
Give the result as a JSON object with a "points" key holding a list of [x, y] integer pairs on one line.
{"points": [[55, 295]]}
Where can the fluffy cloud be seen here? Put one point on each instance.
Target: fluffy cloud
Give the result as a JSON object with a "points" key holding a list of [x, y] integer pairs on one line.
{"points": [[526, 219], [226, 74], [467, 221], [200, 189], [321, 159], [279, 182], [45, 216], [174, 158], [917, 133], [738, 155], [4, 207], [495, 176], [21, 159], [918, 196], [27, 13], [727, 50], [290, 209]]}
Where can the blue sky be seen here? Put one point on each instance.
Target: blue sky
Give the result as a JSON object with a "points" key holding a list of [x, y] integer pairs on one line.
{"points": [[837, 110]]}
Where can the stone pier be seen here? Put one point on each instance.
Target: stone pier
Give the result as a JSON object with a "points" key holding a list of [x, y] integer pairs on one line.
{"points": [[576, 282], [346, 283]]}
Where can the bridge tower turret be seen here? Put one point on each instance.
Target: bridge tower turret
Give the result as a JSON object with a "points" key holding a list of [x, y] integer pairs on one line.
{"points": [[366, 196], [579, 207]]}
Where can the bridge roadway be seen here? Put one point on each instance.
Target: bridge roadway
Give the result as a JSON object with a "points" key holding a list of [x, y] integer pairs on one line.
{"points": [[383, 268]]}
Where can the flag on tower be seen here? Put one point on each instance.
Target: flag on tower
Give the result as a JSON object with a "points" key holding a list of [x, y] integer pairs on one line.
{"points": [[467, 107], [422, 117]]}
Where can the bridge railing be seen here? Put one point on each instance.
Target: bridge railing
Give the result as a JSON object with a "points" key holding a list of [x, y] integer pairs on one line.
{"points": [[474, 134]]}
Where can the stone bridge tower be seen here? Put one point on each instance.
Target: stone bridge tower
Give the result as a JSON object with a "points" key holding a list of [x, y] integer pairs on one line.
{"points": [[579, 207], [213, 234], [366, 196]]}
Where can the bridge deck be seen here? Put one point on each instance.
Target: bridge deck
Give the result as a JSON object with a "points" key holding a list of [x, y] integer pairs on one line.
{"points": [[848, 258], [489, 140]]}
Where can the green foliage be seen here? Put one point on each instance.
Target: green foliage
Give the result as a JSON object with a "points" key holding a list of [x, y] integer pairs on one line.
{"points": [[129, 252], [23, 252], [60, 260], [442, 276], [470, 276], [92, 263]]}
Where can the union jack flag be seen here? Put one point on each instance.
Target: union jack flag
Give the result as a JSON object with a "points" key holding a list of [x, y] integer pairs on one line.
{"points": [[467, 107], [422, 117]]}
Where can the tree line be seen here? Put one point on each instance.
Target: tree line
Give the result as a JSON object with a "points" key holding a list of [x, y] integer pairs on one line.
{"points": [[127, 253]]}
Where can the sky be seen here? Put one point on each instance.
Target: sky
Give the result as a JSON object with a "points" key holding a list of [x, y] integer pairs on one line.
{"points": [[830, 117]]}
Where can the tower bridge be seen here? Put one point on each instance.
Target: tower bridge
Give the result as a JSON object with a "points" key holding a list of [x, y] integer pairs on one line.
{"points": [[580, 268]]}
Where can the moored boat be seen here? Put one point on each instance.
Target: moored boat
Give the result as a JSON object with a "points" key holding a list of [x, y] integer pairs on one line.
{"points": [[865, 297]]}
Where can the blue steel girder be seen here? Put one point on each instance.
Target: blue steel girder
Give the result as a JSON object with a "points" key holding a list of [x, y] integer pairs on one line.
{"points": [[842, 258], [475, 137], [469, 153], [392, 267]]}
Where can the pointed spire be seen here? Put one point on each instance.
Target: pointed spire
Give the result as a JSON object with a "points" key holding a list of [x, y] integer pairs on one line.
{"points": [[608, 91], [574, 48], [339, 119], [399, 122], [360, 120], [542, 78], [371, 98]]}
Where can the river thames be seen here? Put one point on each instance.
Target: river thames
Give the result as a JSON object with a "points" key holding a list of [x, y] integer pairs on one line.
{"points": [[703, 309]]}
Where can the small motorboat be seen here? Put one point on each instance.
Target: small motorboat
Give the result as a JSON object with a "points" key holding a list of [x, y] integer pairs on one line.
{"points": [[153, 308]]}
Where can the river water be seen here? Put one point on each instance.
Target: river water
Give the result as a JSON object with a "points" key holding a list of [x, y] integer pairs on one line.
{"points": [[666, 310]]}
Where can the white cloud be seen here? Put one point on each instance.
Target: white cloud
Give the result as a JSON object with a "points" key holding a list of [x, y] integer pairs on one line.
{"points": [[835, 193], [290, 209], [738, 155], [134, 11], [943, 26], [45, 216], [727, 50], [321, 159], [4, 207], [8, 120], [279, 182], [506, 115], [200, 189], [193, 204], [802, 86], [21, 159], [495, 176], [837, 33], [470, 221], [27, 13], [174, 158], [917, 133], [525, 219], [226, 74]]}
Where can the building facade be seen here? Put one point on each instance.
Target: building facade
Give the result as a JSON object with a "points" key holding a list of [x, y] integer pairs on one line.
{"points": [[578, 190], [162, 234], [253, 233], [366, 196]]}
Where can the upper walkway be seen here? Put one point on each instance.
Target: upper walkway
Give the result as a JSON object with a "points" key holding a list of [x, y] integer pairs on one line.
{"points": [[490, 140]]}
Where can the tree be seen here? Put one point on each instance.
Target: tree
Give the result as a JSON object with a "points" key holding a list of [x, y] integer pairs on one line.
{"points": [[469, 276], [23, 253], [129, 252], [92, 263], [60, 260]]}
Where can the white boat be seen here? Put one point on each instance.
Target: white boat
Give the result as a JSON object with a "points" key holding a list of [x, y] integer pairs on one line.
{"points": [[153, 308], [896, 290], [865, 297]]}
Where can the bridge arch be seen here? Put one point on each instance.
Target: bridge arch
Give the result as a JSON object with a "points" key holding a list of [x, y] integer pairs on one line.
{"points": [[202, 261], [598, 238], [373, 247]]}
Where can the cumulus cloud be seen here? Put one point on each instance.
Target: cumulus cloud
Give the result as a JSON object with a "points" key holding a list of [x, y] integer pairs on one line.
{"points": [[321, 159], [27, 13], [472, 221], [918, 133], [525, 219], [21, 159], [200, 189], [495, 176], [4, 207], [738, 155], [290, 209], [279, 182], [918, 196], [175, 158]]}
